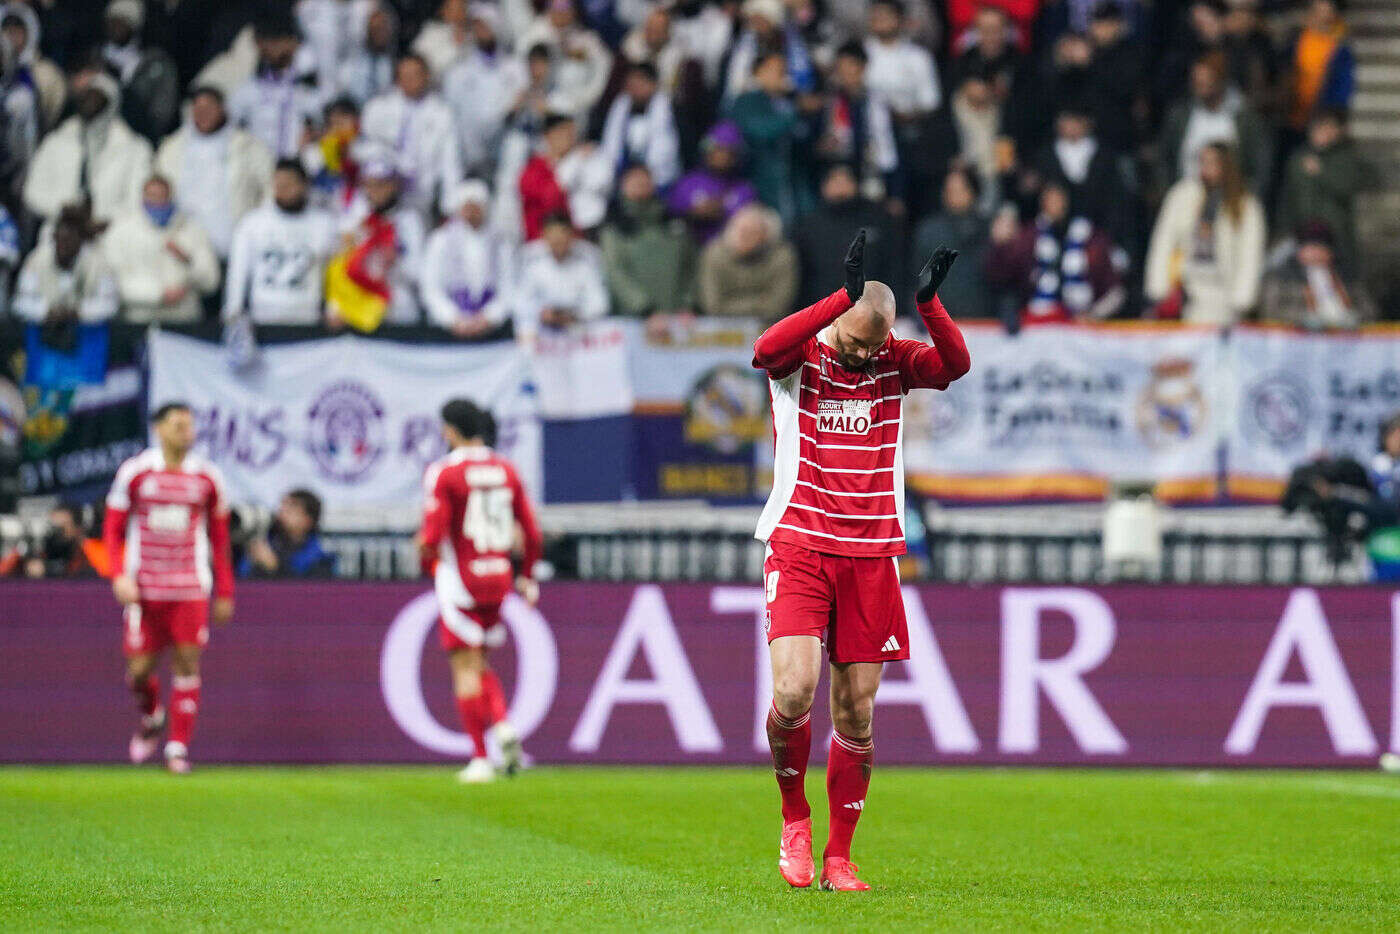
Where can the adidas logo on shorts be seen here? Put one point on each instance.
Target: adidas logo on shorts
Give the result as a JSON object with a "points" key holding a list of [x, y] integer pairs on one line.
{"points": [[891, 645]]}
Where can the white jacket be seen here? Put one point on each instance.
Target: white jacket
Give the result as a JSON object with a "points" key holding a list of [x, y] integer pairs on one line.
{"points": [[276, 109], [277, 267], [902, 75], [582, 63], [136, 250], [481, 90], [331, 28], [467, 272], [649, 137], [575, 283], [424, 135], [1217, 293], [117, 173], [216, 177], [88, 286], [587, 175], [440, 48]]}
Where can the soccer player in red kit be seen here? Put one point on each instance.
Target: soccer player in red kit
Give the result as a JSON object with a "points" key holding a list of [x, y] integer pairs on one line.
{"points": [[834, 525], [473, 504], [167, 533]]}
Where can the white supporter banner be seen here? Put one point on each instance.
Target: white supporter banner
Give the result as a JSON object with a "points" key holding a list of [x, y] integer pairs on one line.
{"points": [[1299, 395], [1117, 403], [582, 372], [353, 419]]}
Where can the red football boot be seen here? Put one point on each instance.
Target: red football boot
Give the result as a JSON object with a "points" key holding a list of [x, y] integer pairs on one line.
{"points": [[795, 854], [839, 875]]}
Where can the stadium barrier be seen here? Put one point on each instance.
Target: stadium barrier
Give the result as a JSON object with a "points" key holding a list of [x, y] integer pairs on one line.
{"points": [[677, 673]]}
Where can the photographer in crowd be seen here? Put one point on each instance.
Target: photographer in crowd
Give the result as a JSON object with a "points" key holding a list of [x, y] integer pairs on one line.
{"points": [[292, 545]]}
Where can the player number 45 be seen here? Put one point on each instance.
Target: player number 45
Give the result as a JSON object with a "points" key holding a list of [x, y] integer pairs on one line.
{"points": [[489, 521]]}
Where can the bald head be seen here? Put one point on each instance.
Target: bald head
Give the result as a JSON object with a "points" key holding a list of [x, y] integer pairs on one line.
{"points": [[862, 330]]}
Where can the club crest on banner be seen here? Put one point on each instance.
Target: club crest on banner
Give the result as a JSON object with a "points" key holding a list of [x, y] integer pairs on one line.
{"points": [[727, 409], [346, 431], [1277, 410], [1171, 407]]}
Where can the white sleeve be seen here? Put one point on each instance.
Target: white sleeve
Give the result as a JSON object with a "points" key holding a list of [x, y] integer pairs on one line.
{"points": [[614, 129], [507, 276], [442, 311], [240, 258], [101, 299], [929, 94], [119, 497], [664, 153], [30, 303], [410, 261], [886, 154], [593, 302]]}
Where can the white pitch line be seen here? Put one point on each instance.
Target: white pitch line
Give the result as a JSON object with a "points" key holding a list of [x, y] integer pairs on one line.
{"points": [[1331, 786]]}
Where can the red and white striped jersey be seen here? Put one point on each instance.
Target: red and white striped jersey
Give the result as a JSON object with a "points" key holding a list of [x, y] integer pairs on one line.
{"points": [[472, 502], [838, 466], [167, 528]]}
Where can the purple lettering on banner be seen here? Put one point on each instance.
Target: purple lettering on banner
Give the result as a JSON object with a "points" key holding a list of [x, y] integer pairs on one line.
{"points": [[1125, 675]]}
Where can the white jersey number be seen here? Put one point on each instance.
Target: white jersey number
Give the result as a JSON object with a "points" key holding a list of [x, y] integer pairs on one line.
{"points": [[489, 521]]}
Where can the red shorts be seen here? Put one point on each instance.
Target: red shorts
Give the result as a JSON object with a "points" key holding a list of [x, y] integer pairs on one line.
{"points": [[852, 604], [478, 627], [152, 625]]}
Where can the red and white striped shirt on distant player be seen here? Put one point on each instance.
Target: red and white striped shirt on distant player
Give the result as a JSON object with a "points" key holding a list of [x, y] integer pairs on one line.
{"points": [[169, 527], [838, 465]]}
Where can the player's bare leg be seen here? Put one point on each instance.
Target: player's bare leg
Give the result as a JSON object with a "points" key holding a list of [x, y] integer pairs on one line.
{"points": [[141, 680], [797, 667], [184, 706], [853, 689], [468, 666]]}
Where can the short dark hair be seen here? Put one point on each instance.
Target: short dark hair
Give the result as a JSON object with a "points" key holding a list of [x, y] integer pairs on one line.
{"points": [[291, 164], [854, 50], [208, 90], [557, 219], [896, 5], [309, 502], [412, 56], [341, 104], [13, 19], [274, 23], [554, 119], [539, 50], [645, 69], [765, 57], [166, 408], [469, 420]]}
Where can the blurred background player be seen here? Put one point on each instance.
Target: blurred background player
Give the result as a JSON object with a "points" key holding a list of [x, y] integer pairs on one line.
{"points": [[473, 503], [834, 525], [167, 523]]}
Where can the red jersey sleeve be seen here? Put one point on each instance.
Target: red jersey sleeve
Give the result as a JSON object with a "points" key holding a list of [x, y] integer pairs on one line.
{"points": [[115, 519], [435, 507], [933, 367], [779, 350], [221, 552], [532, 542]]}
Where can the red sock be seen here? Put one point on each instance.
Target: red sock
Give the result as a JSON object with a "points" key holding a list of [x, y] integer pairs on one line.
{"points": [[147, 693], [847, 778], [494, 698], [473, 715], [791, 742], [184, 707]]}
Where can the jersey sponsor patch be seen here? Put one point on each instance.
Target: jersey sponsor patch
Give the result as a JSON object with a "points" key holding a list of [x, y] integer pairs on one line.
{"points": [[844, 416], [168, 518], [486, 475]]}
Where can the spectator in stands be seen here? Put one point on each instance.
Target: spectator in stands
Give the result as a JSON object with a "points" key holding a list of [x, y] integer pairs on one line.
{"points": [[771, 129], [649, 258], [706, 30], [581, 61], [1207, 249], [977, 117], [652, 41], [292, 546], [10, 255], [64, 552], [708, 196], [1041, 87], [329, 29], [219, 172], [1057, 267], [1384, 468], [1322, 181], [19, 130], [749, 271], [564, 176], [162, 259], [276, 267], [382, 248], [447, 39], [856, 130], [640, 128], [904, 77], [367, 70], [989, 52], [1214, 113], [468, 268], [413, 121], [276, 104], [561, 281], [766, 32], [1309, 289], [65, 280], [482, 88], [1253, 65], [959, 226], [20, 26], [1200, 32], [1089, 171], [331, 159], [92, 157], [823, 235], [149, 83], [1320, 67], [1119, 98]]}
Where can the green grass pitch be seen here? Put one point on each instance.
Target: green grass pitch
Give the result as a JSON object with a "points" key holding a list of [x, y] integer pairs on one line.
{"points": [[644, 849]]}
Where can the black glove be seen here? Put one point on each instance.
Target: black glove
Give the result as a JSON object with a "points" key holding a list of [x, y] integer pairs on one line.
{"points": [[934, 272], [855, 267]]}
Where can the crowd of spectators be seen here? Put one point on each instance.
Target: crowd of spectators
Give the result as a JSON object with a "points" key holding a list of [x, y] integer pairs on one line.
{"points": [[467, 166]]}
